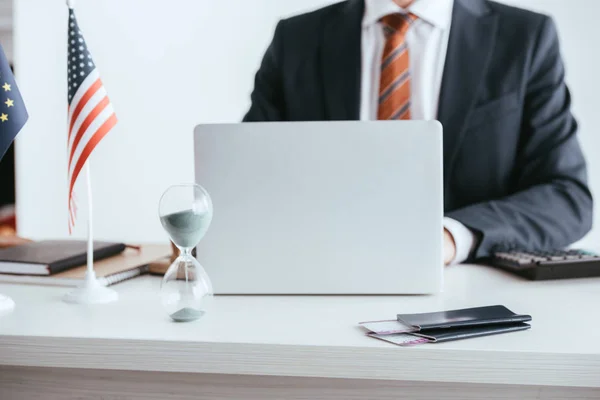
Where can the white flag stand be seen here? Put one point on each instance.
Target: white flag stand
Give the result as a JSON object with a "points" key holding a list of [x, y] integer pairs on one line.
{"points": [[91, 291]]}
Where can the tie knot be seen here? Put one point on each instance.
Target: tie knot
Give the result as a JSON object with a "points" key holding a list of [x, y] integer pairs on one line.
{"points": [[397, 23]]}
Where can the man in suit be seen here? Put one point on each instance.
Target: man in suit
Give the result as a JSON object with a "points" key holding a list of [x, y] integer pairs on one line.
{"points": [[514, 174]]}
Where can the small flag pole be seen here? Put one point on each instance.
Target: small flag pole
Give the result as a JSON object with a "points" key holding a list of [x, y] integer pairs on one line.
{"points": [[91, 291], [90, 238]]}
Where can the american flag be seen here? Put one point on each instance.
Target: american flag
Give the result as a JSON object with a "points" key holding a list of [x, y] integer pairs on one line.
{"points": [[90, 113]]}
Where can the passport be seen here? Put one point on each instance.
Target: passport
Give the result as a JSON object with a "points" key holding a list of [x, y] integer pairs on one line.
{"points": [[442, 326], [467, 317], [444, 335]]}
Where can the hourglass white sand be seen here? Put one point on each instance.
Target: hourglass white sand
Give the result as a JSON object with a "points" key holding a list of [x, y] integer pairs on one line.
{"points": [[185, 213]]}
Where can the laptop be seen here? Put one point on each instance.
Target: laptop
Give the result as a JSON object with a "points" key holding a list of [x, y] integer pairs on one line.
{"points": [[322, 207]]}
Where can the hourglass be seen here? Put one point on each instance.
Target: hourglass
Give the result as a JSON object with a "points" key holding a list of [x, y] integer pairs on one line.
{"points": [[185, 213]]}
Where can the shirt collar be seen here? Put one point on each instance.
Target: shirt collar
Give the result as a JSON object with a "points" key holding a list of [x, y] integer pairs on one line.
{"points": [[436, 12]]}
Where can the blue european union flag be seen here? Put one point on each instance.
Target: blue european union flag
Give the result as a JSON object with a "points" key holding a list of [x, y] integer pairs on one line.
{"points": [[13, 114]]}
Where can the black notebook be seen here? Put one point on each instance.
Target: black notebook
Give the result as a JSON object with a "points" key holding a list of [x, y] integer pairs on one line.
{"points": [[52, 256]]}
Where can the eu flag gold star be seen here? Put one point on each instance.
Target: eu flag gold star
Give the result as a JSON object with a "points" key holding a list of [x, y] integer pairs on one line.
{"points": [[9, 103], [6, 87], [3, 117]]}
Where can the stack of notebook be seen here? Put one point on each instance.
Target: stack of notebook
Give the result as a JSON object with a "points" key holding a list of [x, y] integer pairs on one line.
{"points": [[412, 329], [62, 262]]}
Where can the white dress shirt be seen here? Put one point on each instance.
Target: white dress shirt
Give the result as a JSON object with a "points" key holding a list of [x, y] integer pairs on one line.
{"points": [[427, 42]]}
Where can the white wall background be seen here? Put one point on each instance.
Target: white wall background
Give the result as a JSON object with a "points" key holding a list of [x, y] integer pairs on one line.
{"points": [[6, 23], [168, 66]]}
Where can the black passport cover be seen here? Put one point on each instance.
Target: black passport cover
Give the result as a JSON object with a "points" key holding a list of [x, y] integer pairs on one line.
{"points": [[468, 317], [58, 255], [445, 335]]}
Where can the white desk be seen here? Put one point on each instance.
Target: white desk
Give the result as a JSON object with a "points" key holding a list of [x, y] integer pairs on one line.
{"points": [[263, 347]]}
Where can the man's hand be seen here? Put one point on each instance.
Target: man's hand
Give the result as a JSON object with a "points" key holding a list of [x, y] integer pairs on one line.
{"points": [[449, 247]]}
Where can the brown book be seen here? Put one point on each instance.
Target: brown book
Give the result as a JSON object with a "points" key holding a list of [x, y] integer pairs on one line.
{"points": [[49, 257], [126, 265]]}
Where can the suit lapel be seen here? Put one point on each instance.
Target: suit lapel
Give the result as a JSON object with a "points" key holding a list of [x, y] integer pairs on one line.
{"points": [[341, 62], [471, 42]]}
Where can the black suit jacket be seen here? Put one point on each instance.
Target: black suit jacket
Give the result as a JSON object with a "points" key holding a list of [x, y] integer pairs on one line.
{"points": [[513, 168]]}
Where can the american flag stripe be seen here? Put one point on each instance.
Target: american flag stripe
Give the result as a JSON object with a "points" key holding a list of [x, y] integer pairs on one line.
{"points": [[97, 85], [72, 209], [90, 105], [84, 127], [96, 138], [90, 113], [100, 114], [78, 95]]}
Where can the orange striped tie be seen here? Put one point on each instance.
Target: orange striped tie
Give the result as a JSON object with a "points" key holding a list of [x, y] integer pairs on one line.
{"points": [[394, 87]]}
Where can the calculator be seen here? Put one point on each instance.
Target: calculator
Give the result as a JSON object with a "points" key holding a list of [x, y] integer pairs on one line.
{"points": [[545, 265]]}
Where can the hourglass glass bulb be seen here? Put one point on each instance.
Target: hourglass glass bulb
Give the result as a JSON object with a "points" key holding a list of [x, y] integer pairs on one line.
{"points": [[185, 213]]}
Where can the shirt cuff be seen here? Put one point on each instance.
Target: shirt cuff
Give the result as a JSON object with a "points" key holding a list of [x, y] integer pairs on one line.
{"points": [[464, 239]]}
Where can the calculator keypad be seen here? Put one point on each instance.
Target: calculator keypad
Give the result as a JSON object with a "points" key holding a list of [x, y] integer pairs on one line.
{"points": [[523, 258]]}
